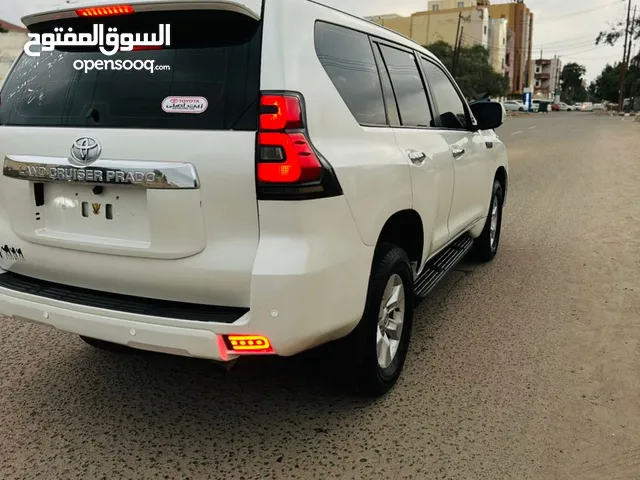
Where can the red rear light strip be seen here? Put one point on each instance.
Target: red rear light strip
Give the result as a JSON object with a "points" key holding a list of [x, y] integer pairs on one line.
{"points": [[108, 11]]}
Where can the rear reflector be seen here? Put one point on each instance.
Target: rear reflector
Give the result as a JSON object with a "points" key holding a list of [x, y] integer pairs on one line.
{"points": [[105, 11], [248, 344]]}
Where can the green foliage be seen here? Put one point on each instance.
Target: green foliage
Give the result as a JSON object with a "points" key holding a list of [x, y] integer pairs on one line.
{"points": [[3, 30], [571, 83], [607, 85], [474, 74], [616, 32]]}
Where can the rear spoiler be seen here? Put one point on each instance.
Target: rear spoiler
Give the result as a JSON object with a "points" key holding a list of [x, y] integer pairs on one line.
{"points": [[251, 8]]}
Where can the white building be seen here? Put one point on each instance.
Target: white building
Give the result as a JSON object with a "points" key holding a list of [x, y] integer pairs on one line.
{"points": [[547, 76], [11, 45], [498, 32]]}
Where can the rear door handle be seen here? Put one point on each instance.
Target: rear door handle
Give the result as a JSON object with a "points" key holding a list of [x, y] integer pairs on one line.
{"points": [[457, 151], [416, 157]]}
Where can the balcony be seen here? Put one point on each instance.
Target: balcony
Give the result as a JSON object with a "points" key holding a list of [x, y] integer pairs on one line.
{"points": [[543, 76]]}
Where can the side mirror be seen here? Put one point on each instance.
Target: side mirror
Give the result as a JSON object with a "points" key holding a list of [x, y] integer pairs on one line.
{"points": [[489, 115]]}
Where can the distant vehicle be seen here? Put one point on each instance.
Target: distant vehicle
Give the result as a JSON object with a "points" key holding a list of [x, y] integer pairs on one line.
{"points": [[536, 105], [513, 106], [598, 106], [587, 107], [563, 107]]}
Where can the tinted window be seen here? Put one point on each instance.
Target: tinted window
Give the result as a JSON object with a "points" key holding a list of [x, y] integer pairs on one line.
{"points": [[408, 87], [450, 106], [347, 57], [213, 54]]}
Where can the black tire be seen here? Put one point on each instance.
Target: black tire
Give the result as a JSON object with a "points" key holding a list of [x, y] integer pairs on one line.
{"points": [[359, 348], [109, 347], [484, 250], [521, 109]]}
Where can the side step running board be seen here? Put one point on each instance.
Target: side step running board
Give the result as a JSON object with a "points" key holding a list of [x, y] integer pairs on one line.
{"points": [[442, 264]]}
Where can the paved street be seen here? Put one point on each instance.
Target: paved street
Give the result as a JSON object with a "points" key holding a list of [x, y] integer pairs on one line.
{"points": [[525, 368]]}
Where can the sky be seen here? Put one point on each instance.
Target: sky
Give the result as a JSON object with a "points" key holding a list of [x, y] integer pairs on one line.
{"points": [[567, 28]]}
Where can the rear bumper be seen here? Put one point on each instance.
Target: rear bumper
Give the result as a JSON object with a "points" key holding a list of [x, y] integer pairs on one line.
{"points": [[308, 287], [289, 312], [176, 337]]}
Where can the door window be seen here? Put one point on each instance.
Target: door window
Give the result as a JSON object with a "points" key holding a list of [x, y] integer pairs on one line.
{"points": [[408, 87], [451, 108]]}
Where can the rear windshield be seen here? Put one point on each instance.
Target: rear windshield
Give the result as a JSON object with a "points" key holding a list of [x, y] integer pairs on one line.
{"points": [[206, 79]]}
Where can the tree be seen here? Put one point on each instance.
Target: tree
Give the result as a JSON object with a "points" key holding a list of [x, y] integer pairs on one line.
{"points": [[607, 84], [616, 32], [3, 30], [571, 82], [474, 76]]}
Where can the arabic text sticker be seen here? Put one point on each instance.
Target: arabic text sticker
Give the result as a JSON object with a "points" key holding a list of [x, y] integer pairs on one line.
{"points": [[184, 104]]}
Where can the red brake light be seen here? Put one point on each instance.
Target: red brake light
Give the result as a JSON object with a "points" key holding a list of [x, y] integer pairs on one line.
{"points": [[288, 166], [105, 11], [137, 48], [287, 158], [280, 112]]}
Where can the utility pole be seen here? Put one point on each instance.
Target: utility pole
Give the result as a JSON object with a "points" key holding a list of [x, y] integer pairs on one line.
{"points": [[455, 47], [557, 80], [456, 58], [623, 67]]}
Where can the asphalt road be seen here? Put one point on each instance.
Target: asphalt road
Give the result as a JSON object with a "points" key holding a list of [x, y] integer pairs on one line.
{"points": [[527, 368]]}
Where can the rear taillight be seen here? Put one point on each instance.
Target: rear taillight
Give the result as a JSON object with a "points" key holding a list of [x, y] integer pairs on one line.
{"points": [[108, 11], [288, 166]]}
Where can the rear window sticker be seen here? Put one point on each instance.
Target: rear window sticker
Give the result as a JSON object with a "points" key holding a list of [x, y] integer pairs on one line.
{"points": [[185, 104]]}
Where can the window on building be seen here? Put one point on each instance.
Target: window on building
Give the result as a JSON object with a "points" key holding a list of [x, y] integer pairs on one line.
{"points": [[460, 4], [485, 29], [408, 87], [435, 7], [348, 59]]}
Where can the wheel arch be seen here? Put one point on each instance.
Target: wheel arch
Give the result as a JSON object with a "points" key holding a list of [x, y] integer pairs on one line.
{"points": [[405, 229], [503, 177]]}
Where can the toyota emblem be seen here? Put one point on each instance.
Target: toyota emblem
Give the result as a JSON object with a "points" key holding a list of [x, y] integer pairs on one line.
{"points": [[85, 150]]}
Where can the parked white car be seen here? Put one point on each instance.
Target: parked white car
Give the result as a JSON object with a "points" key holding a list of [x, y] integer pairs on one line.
{"points": [[260, 196], [566, 108], [513, 106], [587, 107]]}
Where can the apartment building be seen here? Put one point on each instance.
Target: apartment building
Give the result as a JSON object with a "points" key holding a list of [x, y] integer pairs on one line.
{"points": [[520, 22], [498, 33], [437, 24], [547, 76], [436, 5], [483, 24], [12, 40]]}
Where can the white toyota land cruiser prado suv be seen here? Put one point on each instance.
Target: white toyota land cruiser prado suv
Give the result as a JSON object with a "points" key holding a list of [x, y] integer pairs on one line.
{"points": [[267, 178]]}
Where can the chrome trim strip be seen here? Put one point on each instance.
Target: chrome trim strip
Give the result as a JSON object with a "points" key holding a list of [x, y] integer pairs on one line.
{"points": [[134, 173]]}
